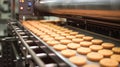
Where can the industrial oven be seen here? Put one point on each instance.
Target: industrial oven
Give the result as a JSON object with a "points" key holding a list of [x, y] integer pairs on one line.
{"points": [[99, 19]]}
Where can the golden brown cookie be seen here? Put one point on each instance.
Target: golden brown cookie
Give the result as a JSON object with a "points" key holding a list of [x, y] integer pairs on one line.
{"points": [[97, 41], [116, 50], [80, 36], [115, 57], [83, 50], [68, 53], [47, 39], [85, 43], [87, 38], [91, 65], [52, 42], [60, 47], [63, 29], [44, 36], [61, 33], [77, 40], [96, 47], [58, 32], [59, 38], [105, 52], [73, 46], [55, 35], [73, 33], [67, 31], [108, 45], [65, 42], [70, 37], [107, 62], [64, 34], [39, 33], [78, 60], [94, 56]]}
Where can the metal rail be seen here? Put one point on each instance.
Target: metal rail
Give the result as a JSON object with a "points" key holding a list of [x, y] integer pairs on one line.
{"points": [[39, 62]]}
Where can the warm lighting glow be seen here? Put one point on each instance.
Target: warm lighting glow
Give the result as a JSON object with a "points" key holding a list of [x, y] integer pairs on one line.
{"points": [[21, 8], [22, 1]]}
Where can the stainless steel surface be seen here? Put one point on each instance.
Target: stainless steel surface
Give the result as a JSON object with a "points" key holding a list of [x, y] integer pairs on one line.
{"points": [[51, 65], [96, 8], [29, 41], [25, 36], [19, 30], [41, 55], [32, 47], [39, 62]]}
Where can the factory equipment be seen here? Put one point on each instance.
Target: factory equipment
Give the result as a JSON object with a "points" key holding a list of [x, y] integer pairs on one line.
{"points": [[81, 16]]}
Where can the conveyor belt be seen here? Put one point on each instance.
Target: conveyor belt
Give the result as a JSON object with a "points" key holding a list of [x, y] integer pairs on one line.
{"points": [[47, 48], [58, 61], [104, 38]]}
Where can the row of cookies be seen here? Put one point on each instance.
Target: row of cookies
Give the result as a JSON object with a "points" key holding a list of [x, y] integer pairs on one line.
{"points": [[67, 39]]}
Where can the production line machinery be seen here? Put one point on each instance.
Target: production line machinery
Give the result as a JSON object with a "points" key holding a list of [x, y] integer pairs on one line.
{"points": [[31, 50], [89, 15], [101, 17], [33, 47]]}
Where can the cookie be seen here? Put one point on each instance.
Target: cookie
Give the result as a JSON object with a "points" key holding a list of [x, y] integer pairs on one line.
{"points": [[108, 45], [65, 42], [67, 31], [64, 34], [83, 50], [55, 35], [87, 38], [68, 53], [70, 37], [96, 47], [59, 38], [58, 32], [94, 56], [60, 47], [78, 60], [85, 43], [44, 36], [115, 57], [80, 36], [116, 50], [91, 65], [73, 45], [107, 62], [105, 52], [97, 41], [77, 40], [73, 33], [52, 43], [47, 39], [63, 29]]}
